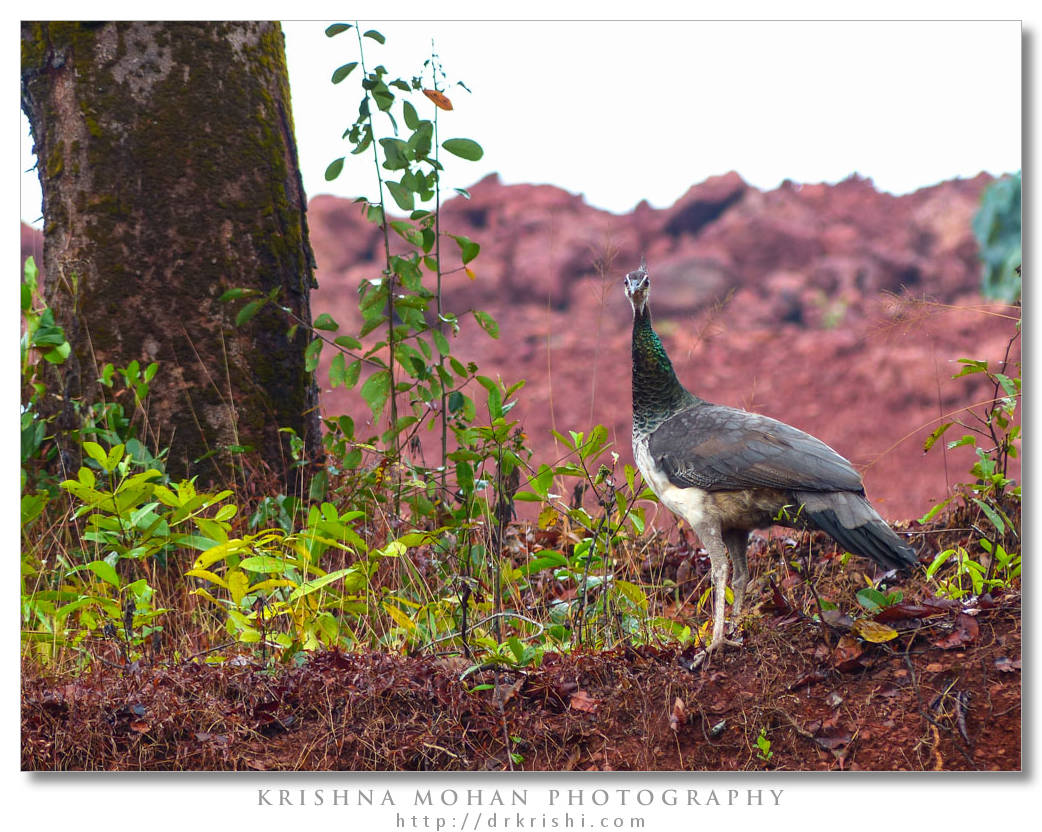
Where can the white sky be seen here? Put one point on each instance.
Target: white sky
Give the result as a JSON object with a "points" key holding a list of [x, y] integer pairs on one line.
{"points": [[624, 111]]}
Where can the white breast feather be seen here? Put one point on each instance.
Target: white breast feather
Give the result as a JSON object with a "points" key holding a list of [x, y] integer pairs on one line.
{"points": [[693, 504]]}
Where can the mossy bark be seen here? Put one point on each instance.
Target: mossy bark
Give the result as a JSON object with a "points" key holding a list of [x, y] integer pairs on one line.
{"points": [[169, 172]]}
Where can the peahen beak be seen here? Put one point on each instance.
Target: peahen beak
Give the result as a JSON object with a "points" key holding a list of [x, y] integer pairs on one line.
{"points": [[637, 285]]}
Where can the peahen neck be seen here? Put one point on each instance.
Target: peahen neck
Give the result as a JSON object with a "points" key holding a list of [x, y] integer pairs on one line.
{"points": [[657, 392]]}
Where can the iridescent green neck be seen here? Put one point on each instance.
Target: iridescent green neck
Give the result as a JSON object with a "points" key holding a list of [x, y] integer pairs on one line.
{"points": [[657, 393]]}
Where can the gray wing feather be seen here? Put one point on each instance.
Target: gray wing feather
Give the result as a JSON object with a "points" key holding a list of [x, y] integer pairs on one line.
{"points": [[721, 448]]}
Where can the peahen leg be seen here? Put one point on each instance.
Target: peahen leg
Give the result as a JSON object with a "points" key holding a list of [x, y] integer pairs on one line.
{"points": [[737, 542], [714, 543]]}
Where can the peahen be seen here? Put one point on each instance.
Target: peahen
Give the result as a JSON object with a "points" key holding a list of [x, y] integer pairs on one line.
{"points": [[727, 471]]}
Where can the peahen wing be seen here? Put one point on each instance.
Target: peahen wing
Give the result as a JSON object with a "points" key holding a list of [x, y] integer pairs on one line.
{"points": [[721, 448]]}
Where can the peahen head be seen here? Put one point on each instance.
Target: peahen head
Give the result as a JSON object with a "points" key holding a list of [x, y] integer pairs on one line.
{"points": [[638, 286]]}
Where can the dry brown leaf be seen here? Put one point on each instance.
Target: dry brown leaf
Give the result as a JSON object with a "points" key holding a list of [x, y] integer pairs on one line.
{"points": [[441, 101], [679, 715], [846, 655], [966, 630], [582, 701]]}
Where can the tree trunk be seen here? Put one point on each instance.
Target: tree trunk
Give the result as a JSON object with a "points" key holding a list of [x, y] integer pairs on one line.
{"points": [[169, 172]]}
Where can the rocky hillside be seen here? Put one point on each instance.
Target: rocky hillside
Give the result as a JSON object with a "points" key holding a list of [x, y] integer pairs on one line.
{"points": [[838, 309]]}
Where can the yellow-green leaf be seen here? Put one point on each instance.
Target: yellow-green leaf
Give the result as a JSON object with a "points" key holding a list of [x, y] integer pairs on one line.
{"points": [[873, 631], [207, 575], [399, 617], [238, 583]]}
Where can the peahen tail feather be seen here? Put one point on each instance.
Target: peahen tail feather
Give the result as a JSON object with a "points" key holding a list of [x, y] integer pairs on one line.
{"points": [[856, 526]]}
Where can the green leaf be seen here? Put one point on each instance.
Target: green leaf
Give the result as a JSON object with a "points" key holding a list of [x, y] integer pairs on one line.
{"points": [[325, 321], [407, 231], [375, 35], [353, 577], [468, 248], [933, 512], [347, 342], [412, 120], [249, 310], [337, 371], [1010, 385], [58, 354], [97, 453], [114, 456], [266, 564], [105, 571], [364, 142], [341, 72], [32, 506], [232, 294], [376, 390], [402, 196], [487, 322], [937, 434], [464, 148], [544, 559], [333, 171], [871, 599], [336, 29], [972, 366], [226, 512], [384, 98], [311, 355], [31, 271], [992, 515], [397, 155], [352, 372], [632, 593], [441, 342]]}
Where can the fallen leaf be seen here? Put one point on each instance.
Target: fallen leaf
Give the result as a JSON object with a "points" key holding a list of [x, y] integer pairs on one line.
{"points": [[811, 678], [837, 618], [778, 602], [582, 701], [684, 572], [1007, 665], [873, 631], [504, 693], [987, 601], [453, 665], [679, 715], [904, 611], [966, 630], [845, 657], [832, 739]]}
